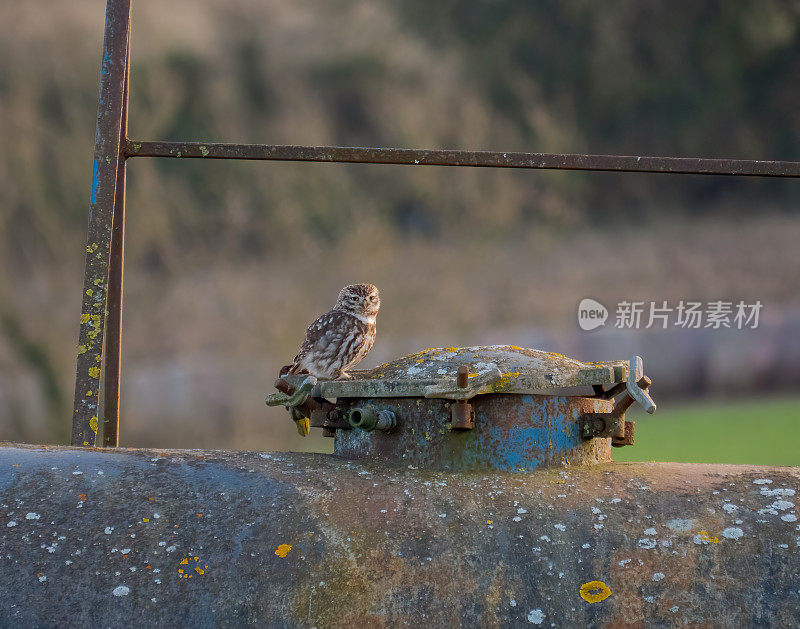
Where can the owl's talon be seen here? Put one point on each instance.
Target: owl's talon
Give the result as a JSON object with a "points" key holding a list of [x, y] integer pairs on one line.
{"points": [[344, 376]]}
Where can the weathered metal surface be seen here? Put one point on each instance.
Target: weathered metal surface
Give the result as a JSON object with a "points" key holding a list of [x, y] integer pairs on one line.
{"points": [[101, 209], [433, 371], [509, 432], [491, 159], [208, 539]]}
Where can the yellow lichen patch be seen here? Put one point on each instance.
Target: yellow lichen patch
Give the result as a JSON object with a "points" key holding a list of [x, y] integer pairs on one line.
{"points": [[505, 380], [94, 372], [415, 354], [595, 591], [93, 424], [283, 550], [145, 519], [708, 538], [185, 574], [89, 393], [89, 292], [489, 521], [85, 317]]}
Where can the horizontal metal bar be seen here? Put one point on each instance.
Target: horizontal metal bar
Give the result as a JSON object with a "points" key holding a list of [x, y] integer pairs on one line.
{"points": [[490, 159]]}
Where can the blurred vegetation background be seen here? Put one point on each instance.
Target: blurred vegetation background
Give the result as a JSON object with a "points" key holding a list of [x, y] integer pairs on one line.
{"points": [[228, 262]]}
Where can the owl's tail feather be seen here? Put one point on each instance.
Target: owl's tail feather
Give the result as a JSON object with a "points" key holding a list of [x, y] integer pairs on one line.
{"points": [[296, 367]]}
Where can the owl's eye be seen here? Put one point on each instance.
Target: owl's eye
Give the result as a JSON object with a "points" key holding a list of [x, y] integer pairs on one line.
{"points": [[354, 298]]}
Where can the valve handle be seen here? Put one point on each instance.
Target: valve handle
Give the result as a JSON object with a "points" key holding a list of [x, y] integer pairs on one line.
{"points": [[300, 395], [639, 394]]}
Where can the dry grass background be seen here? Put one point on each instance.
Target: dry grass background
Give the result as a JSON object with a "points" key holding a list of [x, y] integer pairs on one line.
{"points": [[227, 263]]}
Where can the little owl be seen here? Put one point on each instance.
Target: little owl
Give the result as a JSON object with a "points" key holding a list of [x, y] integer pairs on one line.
{"points": [[341, 338]]}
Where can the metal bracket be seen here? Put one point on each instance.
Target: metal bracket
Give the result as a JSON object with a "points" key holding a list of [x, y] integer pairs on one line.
{"points": [[613, 424], [461, 413], [627, 439], [601, 425], [479, 384]]}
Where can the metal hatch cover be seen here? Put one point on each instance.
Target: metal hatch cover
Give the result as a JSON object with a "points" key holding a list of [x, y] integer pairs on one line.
{"points": [[427, 373], [473, 408]]}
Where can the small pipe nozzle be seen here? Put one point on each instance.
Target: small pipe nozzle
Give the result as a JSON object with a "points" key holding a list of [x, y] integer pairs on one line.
{"points": [[369, 419]]}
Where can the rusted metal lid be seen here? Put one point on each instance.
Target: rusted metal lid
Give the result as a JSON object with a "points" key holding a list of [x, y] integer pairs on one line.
{"points": [[433, 372]]}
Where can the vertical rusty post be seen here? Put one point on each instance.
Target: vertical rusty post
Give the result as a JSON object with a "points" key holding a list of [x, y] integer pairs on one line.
{"points": [[112, 365], [107, 157]]}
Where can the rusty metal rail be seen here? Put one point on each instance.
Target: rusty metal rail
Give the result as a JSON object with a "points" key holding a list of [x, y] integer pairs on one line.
{"points": [[101, 312], [486, 159]]}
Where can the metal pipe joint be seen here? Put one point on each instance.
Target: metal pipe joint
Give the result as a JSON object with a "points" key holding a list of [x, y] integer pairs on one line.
{"points": [[369, 419]]}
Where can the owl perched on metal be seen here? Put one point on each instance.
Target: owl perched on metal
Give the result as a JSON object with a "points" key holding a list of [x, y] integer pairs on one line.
{"points": [[341, 338]]}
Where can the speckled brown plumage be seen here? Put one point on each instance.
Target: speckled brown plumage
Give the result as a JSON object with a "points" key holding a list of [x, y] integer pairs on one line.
{"points": [[342, 337]]}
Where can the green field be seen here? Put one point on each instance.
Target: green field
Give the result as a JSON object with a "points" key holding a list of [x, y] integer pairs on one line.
{"points": [[758, 431]]}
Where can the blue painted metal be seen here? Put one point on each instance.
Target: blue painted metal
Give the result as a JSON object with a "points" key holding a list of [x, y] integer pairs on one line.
{"points": [[511, 433]]}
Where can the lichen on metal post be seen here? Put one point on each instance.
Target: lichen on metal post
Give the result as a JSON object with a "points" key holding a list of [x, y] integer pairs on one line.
{"points": [[104, 183]]}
